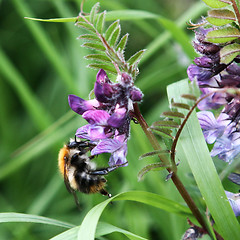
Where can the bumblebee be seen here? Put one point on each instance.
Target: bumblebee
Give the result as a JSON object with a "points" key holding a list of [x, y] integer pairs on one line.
{"points": [[79, 172]]}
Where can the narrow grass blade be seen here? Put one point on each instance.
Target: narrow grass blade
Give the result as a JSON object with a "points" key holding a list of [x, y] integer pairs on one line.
{"points": [[33, 106], [45, 44], [20, 217], [89, 224]]}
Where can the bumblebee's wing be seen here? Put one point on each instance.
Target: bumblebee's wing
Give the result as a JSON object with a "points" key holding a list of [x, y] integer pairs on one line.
{"points": [[70, 190], [235, 178]]}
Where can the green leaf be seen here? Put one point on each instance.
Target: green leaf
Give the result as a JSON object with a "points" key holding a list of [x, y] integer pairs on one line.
{"points": [[150, 167], [106, 228], [189, 96], [229, 52], [173, 114], [88, 226], [217, 3], [102, 229], [89, 37], [71, 19], [192, 148], [85, 26], [153, 153], [122, 43], [94, 46], [135, 59], [115, 36], [111, 29], [70, 234], [166, 123], [100, 22], [107, 68], [162, 132], [180, 105], [93, 12], [220, 17], [223, 35], [98, 57], [21, 217]]}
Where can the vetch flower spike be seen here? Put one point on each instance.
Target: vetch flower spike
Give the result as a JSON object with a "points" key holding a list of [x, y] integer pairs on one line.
{"points": [[108, 115]]}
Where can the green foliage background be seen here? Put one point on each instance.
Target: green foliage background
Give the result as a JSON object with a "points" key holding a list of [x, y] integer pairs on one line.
{"points": [[40, 64]]}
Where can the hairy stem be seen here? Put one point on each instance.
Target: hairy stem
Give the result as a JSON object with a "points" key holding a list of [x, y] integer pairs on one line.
{"points": [[236, 11], [177, 182]]}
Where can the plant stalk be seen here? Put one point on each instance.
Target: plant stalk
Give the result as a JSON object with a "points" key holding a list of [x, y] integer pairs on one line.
{"points": [[235, 8], [177, 182]]}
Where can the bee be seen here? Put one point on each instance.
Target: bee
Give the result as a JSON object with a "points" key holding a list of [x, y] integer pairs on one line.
{"points": [[79, 172]]}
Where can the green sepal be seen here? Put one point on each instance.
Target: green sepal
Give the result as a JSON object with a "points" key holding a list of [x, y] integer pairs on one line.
{"points": [[220, 17], [229, 52], [217, 3], [223, 35]]}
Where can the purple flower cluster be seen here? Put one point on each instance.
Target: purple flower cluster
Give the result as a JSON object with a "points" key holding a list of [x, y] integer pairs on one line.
{"points": [[210, 75], [108, 115]]}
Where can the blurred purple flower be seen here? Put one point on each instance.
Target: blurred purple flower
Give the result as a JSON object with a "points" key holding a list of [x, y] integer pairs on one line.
{"points": [[227, 147], [210, 74], [212, 128], [234, 200]]}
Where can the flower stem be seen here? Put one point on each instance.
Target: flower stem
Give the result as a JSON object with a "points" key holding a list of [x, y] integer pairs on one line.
{"points": [[236, 11], [177, 182]]}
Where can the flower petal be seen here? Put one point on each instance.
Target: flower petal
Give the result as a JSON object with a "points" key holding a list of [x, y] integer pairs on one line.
{"points": [[99, 117], [136, 95], [107, 146], [118, 118], [119, 156], [80, 105], [102, 77], [83, 132], [202, 75]]}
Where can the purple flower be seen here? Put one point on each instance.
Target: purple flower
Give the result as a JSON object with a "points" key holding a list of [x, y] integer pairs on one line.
{"points": [[80, 105], [118, 149], [214, 101], [98, 127], [234, 200], [212, 129], [211, 74], [202, 75], [227, 147], [108, 115]]}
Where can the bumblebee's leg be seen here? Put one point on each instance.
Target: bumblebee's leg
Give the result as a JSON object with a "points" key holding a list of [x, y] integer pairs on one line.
{"points": [[105, 171], [105, 193]]}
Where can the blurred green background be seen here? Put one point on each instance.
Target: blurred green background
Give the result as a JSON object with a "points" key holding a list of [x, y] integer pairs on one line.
{"points": [[40, 64]]}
